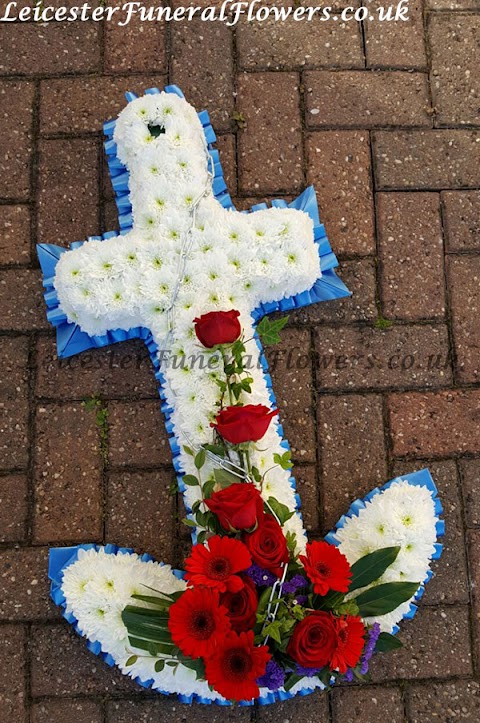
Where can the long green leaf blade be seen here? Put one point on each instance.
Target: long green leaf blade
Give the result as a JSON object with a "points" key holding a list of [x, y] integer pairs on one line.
{"points": [[151, 647], [372, 566], [382, 599], [387, 642]]}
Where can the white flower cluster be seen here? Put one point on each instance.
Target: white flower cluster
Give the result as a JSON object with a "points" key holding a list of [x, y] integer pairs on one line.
{"points": [[235, 261], [402, 515], [98, 586]]}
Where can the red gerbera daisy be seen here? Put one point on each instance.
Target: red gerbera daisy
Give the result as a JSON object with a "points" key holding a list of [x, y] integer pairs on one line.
{"points": [[197, 622], [216, 566], [350, 637], [235, 666], [327, 568]]}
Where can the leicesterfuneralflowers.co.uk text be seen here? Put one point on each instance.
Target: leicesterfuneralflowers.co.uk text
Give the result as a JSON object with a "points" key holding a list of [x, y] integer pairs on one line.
{"points": [[230, 12]]}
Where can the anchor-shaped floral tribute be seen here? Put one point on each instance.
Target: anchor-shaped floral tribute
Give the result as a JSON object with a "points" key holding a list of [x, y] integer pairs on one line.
{"points": [[259, 613]]}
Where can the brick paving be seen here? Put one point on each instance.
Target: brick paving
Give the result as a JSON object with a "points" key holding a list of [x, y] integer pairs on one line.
{"points": [[385, 120]]}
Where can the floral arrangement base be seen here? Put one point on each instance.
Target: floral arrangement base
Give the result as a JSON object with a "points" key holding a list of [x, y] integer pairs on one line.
{"points": [[80, 578], [259, 613]]}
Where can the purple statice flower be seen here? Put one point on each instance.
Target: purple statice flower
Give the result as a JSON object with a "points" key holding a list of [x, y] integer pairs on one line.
{"points": [[301, 599], [291, 586], [273, 678], [307, 672], [349, 676], [261, 577], [373, 634]]}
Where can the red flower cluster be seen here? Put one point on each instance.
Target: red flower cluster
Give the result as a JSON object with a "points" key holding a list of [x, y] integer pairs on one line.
{"points": [[321, 639], [213, 619]]}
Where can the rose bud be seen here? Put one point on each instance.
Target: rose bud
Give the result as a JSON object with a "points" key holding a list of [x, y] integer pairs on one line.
{"points": [[238, 507], [244, 424], [268, 546], [218, 327]]}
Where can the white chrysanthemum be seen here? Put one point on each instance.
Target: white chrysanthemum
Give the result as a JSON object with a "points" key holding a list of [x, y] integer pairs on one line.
{"points": [[233, 261], [402, 515]]}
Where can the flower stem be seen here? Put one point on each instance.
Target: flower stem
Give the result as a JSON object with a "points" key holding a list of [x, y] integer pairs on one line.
{"points": [[229, 388]]}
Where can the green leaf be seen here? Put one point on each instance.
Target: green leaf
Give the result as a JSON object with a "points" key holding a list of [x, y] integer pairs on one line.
{"points": [[196, 665], [215, 449], [201, 537], [263, 601], [189, 523], [237, 389], [369, 568], [196, 506], [188, 450], [159, 602], [176, 595], [207, 488], [223, 477], [159, 666], [269, 331], [190, 480], [256, 474], [387, 642], [349, 607], [131, 660], [204, 519], [146, 624], [382, 599], [331, 601], [152, 648], [283, 459], [291, 539], [292, 679], [273, 630], [200, 458], [280, 510], [325, 675]]}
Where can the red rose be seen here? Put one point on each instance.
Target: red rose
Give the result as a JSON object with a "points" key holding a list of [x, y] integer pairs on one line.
{"points": [[327, 568], [268, 546], [244, 424], [238, 507], [218, 327], [241, 606], [314, 640]]}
